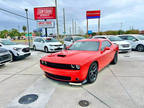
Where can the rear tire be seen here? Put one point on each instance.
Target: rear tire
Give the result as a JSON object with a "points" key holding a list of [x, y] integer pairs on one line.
{"points": [[140, 48], [34, 48], [115, 58], [92, 73], [46, 49]]}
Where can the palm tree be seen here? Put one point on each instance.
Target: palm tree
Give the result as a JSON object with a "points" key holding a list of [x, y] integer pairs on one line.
{"points": [[24, 28]]}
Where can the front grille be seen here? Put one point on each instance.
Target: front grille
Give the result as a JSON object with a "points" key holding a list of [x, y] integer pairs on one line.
{"points": [[5, 57], [57, 65], [58, 49], [58, 77], [26, 49], [126, 45]]}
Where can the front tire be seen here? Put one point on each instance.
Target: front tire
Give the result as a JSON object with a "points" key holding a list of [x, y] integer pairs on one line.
{"points": [[34, 48], [46, 49], [115, 58], [92, 72], [140, 48]]}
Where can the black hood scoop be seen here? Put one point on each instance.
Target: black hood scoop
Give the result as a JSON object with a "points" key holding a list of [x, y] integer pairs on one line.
{"points": [[60, 55]]}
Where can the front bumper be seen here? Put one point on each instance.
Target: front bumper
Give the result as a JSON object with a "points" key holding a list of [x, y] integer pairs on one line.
{"points": [[22, 56], [55, 49], [76, 76], [124, 50]]}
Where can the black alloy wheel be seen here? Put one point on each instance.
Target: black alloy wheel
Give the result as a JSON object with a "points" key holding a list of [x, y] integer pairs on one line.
{"points": [[115, 58], [46, 49], [92, 73], [140, 48]]}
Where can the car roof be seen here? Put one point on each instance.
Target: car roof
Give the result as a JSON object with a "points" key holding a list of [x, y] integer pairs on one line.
{"points": [[99, 40]]}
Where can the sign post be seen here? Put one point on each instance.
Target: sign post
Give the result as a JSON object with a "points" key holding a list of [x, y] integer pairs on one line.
{"points": [[93, 15]]}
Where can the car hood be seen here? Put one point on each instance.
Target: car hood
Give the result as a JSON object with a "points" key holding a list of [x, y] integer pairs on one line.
{"points": [[2, 50], [121, 42], [54, 43], [16, 46], [70, 57]]}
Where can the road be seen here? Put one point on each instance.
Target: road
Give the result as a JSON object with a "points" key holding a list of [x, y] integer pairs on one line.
{"points": [[117, 86]]}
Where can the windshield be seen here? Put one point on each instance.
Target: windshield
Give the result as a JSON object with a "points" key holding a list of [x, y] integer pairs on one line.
{"points": [[51, 40], [140, 37], [8, 42], [85, 46], [78, 38], [115, 38]]}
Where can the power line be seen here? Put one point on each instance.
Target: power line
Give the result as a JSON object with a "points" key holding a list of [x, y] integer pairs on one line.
{"points": [[15, 14]]}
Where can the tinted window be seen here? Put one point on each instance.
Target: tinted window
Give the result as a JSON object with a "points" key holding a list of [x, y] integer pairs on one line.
{"points": [[114, 38], [51, 40], [8, 42], [131, 38], [124, 37], [36, 40], [78, 38], [105, 44], [85, 46], [99, 37], [68, 39]]}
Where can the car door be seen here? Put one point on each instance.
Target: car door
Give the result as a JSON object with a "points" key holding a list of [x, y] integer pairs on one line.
{"points": [[36, 43], [41, 44], [106, 55], [68, 41], [133, 41]]}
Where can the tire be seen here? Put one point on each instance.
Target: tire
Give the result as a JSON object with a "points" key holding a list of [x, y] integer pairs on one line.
{"points": [[34, 48], [140, 48], [13, 56], [114, 61], [92, 73], [46, 49]]}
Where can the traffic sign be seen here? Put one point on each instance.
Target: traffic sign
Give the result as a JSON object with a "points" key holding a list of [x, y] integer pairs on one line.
{"points": [[93, 14], [90, 32], [46, 24], [28, 35]]}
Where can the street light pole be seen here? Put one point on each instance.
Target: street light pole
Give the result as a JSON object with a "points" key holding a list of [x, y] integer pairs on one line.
{"points": [[27, 26], [57, 19]]}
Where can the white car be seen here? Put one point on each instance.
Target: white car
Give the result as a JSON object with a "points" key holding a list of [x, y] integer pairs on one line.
{"points": [[18, 51], [71, 39], [137, 41], [47, 44], [124, 46]]}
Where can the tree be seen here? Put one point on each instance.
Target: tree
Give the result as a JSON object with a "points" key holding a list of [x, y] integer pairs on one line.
{"points": [[14, 32], [24, 28], [4, 33]]}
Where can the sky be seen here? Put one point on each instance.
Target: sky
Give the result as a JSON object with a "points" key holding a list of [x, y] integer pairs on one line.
{"points": [[115, 14]]}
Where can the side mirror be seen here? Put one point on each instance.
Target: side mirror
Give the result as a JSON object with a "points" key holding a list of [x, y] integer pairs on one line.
{"points": [[134, 40], [107, 48], [72, 41]]}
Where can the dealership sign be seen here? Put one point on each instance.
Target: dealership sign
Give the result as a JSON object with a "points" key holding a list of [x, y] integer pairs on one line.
{"points": [[46, 24], [42, 13], [93, 14]]}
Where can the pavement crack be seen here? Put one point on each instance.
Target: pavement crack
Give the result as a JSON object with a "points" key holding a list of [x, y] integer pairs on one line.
{"points": [[18, 72], [122, 86], [96, 97]]}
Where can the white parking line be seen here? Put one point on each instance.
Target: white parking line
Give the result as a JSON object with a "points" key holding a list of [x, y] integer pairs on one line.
{"points": [[42, 88]]}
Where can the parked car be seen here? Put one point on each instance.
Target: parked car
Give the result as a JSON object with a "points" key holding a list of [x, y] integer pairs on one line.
{"points": [[5, 56], [71, 39], [124, 46], [18, 51], [137, 41], [47, 44], [81, 61]]}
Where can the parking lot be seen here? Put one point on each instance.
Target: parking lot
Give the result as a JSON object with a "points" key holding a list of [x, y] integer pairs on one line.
{"points": [[117, 86]]}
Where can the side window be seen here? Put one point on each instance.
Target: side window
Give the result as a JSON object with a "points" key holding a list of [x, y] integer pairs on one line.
{"points": [[105, 44], [131, 38], [68, 39], [124, 37]]}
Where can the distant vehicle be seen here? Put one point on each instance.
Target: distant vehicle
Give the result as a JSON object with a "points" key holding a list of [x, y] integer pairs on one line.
{"points": [[47, 44], [124, 46], [81, 61], [71, 39], [5, 56], [18, 51], [137, 41]]}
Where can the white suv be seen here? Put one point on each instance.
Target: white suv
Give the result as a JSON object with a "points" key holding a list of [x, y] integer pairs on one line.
{"points": [[124, 46], [18, 51], [47, 44], [137, 41]]}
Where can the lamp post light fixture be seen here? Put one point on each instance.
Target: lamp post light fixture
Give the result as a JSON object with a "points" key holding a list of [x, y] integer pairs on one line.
{"points": [[27, 26]]}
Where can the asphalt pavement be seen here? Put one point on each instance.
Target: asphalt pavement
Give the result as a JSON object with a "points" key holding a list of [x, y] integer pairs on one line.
{"points": [[117, 86]]}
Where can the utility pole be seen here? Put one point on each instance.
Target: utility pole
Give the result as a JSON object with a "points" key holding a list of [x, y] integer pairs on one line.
{"points": [[99, 26], [64, 21], [72, 27], [46, 34], [57, 23], [75, 27], [27, 26], [70, 30], [87, 26]]}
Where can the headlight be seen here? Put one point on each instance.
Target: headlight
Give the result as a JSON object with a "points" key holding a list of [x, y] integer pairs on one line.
{"points": [[17, 49], [75, 67]]}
